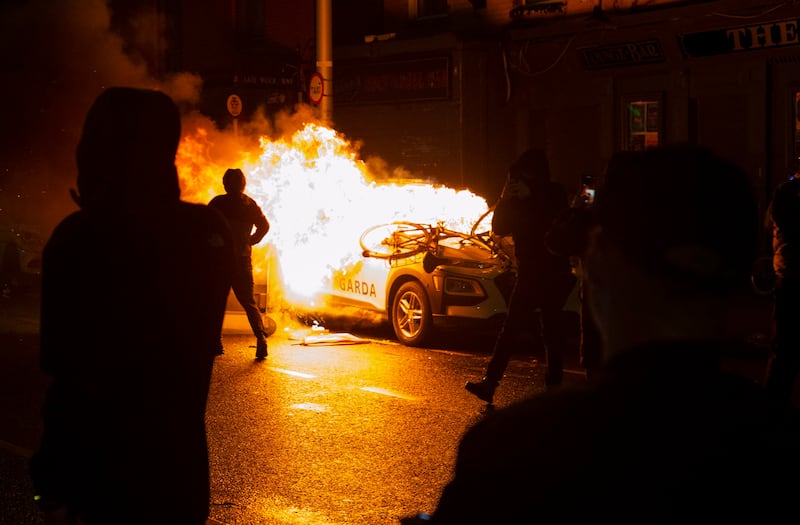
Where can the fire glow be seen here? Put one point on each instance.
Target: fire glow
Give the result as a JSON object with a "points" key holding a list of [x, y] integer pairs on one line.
{"points": [[318, 197]]}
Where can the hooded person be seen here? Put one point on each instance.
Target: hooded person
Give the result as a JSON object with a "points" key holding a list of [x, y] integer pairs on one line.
{"points": [[528, 205], [134, 289], [126, 158]]}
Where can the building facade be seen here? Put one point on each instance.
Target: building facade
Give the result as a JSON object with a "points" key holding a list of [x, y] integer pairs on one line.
{"points": [[453, 90], [259, 50], [457, 94]]}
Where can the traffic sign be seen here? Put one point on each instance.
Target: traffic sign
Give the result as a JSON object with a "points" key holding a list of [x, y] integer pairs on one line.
{"points": [[234, 105], [316, 88]]}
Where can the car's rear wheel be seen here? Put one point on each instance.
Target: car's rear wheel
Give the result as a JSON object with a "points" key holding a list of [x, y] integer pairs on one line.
{"points": [[411, 314]]}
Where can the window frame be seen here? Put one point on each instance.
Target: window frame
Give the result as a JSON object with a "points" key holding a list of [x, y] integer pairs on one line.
{"points": [[651, 133]]}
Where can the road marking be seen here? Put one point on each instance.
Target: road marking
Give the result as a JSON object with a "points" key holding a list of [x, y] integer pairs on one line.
{"points": [[389, 393], [314, 407], [293, 373], [449, 352]]}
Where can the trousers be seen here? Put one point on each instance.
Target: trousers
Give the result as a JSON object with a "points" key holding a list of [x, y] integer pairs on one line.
{"points": [[243, 288]]}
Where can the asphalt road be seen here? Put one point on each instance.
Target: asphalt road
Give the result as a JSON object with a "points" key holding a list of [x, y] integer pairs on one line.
{"points": [[360, 431], [318, 433]]}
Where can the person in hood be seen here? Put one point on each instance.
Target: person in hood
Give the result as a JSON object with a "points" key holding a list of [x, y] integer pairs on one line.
{"points": [[528, 205], [134, 289]]}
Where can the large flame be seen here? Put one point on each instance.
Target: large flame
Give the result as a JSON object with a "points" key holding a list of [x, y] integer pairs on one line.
{"points": [[318, 197]]}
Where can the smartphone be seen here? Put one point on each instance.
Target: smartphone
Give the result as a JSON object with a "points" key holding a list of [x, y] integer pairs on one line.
{"points": [[587, 189]]}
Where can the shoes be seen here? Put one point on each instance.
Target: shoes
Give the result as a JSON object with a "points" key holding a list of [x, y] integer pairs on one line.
{"points": [[483, 389], [220, 349], [261, 349]]}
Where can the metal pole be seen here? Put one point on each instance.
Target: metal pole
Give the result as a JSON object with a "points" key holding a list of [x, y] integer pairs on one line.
{"points": [[325, 59]]}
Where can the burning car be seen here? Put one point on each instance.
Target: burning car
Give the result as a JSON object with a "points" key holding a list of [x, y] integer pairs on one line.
{"points": [[422, 278], [354, 239]]}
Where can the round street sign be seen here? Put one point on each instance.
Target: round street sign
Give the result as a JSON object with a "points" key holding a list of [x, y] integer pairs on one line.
{"points": [[316, 88], [234, 105]]}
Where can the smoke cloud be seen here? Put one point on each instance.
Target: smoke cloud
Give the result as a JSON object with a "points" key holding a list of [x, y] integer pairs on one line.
{"points": [[58, 56]]}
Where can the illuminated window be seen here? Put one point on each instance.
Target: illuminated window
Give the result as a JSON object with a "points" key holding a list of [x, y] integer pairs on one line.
{"points": [[642, 122]]}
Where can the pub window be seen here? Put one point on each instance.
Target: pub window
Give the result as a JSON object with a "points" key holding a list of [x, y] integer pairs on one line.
{"points": [[642, 122], [427, 8]]}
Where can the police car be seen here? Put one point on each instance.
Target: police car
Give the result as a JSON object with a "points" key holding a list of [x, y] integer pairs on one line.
{"points": [[423, 278]]}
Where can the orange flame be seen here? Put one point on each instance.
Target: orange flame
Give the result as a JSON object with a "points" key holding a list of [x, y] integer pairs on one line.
{"points": [[318, 197]]}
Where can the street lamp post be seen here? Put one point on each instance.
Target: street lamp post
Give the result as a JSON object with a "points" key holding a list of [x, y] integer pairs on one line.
{"points": [[325, 59]]}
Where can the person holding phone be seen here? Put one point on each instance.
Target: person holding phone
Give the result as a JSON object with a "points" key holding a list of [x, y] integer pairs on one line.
{"points": [[569, 236]]}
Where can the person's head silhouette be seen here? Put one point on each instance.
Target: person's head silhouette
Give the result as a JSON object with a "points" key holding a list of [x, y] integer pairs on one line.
{"points": [[531, 167], [126, 155], [233, 180], [675, 239]]}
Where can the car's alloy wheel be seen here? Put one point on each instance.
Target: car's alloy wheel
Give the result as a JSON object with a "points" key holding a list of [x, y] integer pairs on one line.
{"points": [[411, 314]]}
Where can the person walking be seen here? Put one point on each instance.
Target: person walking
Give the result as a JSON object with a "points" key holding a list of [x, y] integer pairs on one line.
{"points": [[243, 215], [134, 288], [666, 434], [783, 216], [529, 203]]}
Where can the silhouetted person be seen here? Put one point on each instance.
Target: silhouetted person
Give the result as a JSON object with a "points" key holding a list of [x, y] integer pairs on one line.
{"points": [[664, 434], [134, 288], [529, 203], [243, 215], [569, 236], [784, 218]]}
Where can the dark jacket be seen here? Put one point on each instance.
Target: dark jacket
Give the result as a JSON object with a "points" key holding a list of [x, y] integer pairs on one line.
{"points": [[242, 213], [130, 322], [569, 233], [652, 441], [528, 221]]}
